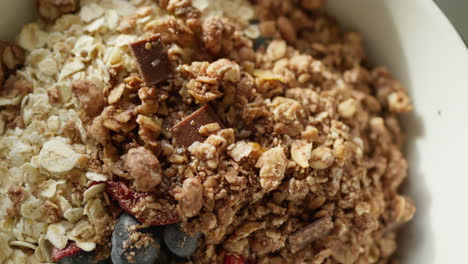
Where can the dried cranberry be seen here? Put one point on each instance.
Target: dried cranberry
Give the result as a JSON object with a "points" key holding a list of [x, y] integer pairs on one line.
{"points": [[129, 199], [125, 196], [69, 250], [233, 259]]}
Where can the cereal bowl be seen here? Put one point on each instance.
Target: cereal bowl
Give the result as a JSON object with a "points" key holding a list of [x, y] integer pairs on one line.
{"points": [[419, 45]]}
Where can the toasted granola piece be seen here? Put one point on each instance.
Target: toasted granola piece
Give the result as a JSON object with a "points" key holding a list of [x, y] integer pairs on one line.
{"points": [[205, 79], [190, 197], [14, 87], [312, 4], [17, 195], [403, 209], [287, 30], [180, 8], [301, 152], [216, 35], [220, 37], [272, 164], [172, 30], [145, 207], [11, 58], [98, 131], [52, 211], [52, 9], [144, 168], [91, 97], [268, 241], [321, 158]]}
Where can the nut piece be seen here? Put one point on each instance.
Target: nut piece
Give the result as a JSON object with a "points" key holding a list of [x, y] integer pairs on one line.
{"points": [[217, 35], [312, 4], [347, 108], [11, 58], [301, 152], [12, 55], [52, 9], [287, 30], [240, 150], [404, 209], [190, 197], [306, 235], [276, 50], [321, 158], [143, 166], [272, 166]]}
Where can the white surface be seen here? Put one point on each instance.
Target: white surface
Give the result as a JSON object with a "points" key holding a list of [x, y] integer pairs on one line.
{"points": [[415, 40]]}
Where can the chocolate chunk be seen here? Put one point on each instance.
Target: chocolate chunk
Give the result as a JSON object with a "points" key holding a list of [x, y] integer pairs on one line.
{"points": [[306, 235], [152, 60], [186, 131]]}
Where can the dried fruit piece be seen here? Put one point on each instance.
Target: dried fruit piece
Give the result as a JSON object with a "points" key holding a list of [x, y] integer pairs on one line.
{"points": [[134, 203], [152, 60], [70, 250], [232, 259], [186, 131], [304, 236]]}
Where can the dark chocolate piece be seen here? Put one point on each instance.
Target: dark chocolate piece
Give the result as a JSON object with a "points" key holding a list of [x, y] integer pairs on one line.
{"points": [[152, 60], [186, 131]]}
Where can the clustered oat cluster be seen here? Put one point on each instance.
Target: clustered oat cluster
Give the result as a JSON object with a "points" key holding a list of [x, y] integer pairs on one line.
{"points": [[264, 130]]}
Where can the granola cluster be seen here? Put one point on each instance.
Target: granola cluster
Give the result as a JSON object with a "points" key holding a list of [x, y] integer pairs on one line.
{"points": [[259, 126]]}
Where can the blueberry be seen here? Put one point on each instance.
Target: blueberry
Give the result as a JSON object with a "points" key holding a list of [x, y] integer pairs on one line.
{"points": [[105, 261], [254, 21], [260, 41], [121, 253], [81, 257], [178, 242]]}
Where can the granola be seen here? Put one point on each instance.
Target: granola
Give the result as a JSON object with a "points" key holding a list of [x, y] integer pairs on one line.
{"points": [[258, 127]]}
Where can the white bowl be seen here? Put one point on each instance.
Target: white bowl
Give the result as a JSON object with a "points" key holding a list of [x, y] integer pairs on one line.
{"points": [[416, 41]]}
